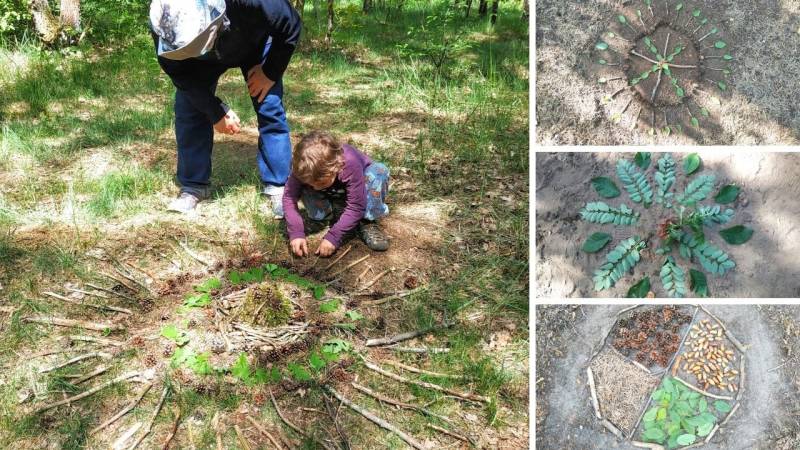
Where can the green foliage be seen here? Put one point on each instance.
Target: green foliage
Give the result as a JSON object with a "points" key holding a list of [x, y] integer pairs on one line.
{"points": [[329, 306], [736, 235], [665, 178], [635, 183], [715, 214], [14, 18], [185, 356], [599, 212], [673, 278], [354, 315], [713, 259], [298, 372], [605, 187], [722, 406], [677, 416], [691, 163], [208, 285], [697, 190], [596, 242], [197, 300], [258, 274], [601, 46], [642, 159], [172, 333], [699, 283], [619, 261], [727, 194], [336, 346], [640, 289]]}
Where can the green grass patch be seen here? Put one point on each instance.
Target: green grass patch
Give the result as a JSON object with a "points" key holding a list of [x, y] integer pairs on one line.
{"points": [[122, 187]]}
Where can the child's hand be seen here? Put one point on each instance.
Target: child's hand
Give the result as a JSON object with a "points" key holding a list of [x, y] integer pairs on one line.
{"points": [[299, 246], [325, 248]]}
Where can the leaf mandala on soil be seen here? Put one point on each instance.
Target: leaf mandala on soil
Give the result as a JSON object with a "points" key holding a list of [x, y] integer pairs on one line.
{"points": [[635, 183], [673, 278], [599, 212], [620, 260]]}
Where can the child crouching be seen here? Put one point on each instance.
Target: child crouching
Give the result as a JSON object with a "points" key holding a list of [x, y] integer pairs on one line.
{"points": [[339, 183]]}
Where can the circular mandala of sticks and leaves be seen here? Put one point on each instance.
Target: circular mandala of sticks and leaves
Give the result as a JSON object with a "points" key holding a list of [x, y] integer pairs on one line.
{"points": [[681, 226], [664, 53]]}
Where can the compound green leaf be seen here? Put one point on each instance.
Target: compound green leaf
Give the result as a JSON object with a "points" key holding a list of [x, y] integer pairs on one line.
{"points": [[599, 212], [697, 190], [620, 260], [673, 278], [635, 183]]}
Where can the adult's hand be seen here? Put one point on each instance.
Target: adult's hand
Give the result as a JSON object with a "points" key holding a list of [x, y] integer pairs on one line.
{"points": [[257, 83], [229, 124], [299, 246]]}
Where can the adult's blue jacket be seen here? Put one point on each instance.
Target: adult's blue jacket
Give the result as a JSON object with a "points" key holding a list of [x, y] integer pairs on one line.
{"points": [[241, 44]]}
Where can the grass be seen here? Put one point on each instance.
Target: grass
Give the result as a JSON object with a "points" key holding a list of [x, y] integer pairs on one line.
{"points": [[87, 150]]}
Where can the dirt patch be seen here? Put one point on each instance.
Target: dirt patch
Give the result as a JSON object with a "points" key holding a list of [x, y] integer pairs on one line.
{"points": [[565, 337], [768, 203]]}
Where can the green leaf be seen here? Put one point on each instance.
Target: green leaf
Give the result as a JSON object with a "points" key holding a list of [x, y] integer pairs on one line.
{"points": [[172, 333], [722, 86], [654, 435], [642, 159], [298, 372], [695, 122], [602, 62], [736, 235], [234, 277], [697, 190], [241, 368], [596, 242], [704, 112], [691, 163], [329, 306], [619, 261], [722, 406], [622, 19], [696, 13], [354, 315], [319, 291], [648, 42], [316, 362], [702, 406], [680, 92], [198, 300], [704, 429], [720, 44], [650, 415], [605, 187], [261, 376], [673, 278], [275, 374], [679, 7], [601, 46], [640, 289], [727, 57], [727, 194], [270, 267], [599, 212], [635, 183], [686, 439], [208, 285], [336, 346], [699, 283]]}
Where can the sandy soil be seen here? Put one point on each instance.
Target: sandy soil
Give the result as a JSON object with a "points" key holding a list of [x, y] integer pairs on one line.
{"points": [[769, 203], [759, 107], [566, 336]]}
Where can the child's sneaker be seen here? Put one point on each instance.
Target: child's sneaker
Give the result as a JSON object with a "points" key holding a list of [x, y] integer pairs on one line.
{"points": [[373, 236]]}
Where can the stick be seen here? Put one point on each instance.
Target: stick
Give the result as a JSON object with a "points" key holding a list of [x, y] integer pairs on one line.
{"points": [[384, 399], [700, 391], [91, 375], [376, 420], [435, 387], [96, 326], [395, 296], [84, 394], [96, 339], [123, 411], [89, 305], [174, 430], [349, 266], [364, 272], [133, 280], [451, 434], [647, 445], [730, 414], [264, 432], [78, 358], [711, 435], [419, 349], [377, 277], [111, 291], [119, 280], [741, 378], [644, 57], [610, 427], [149, 427], [413, 369], [339, 258], [119, 444], [623, 311], [291, 425], [240, 436], [93, 294], [194, 255], [735, 342], [595, 402], [398, 337]]}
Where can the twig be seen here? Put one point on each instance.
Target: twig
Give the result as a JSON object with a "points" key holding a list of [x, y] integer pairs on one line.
{"points": [[730, 414], [413, 369], [649, 445], [242, 440], [119, 444], [194, 255], [76, 359], [700, 391], [363, 272], [613, 429], [149, 427], [111, 291], [593, 392], [132, 279], [707, 35], [711, 435], [89, 305], [451, 434], [377, 420], [93, 294], [290, 424], [89, 376], [435, 387], [99, 340], [395, 296], [779, 366], [339, 258], [385, 399], [741, 378], [174, 430], [419, 349], [351, 265], [399, 337], [96, 326], [85, 394], [680, 66], [119, 280], [376, 279], [634, 52], [263, 431], [123, 411]]}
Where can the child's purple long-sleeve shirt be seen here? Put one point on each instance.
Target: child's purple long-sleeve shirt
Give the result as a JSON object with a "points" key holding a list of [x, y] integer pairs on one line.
{"points": [[351, 177]]}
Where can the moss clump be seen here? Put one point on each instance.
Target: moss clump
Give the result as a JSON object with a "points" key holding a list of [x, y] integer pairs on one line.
{"points": [[265, 305]]}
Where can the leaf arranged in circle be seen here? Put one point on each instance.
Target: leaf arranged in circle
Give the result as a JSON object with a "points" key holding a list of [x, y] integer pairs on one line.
{"points": [[736, 235], [599, 212], [679, 91], [601, 46], [602, 62], [727, 57], [697, 190], [605, 187], [727, 194], [642, 159], [696, 13], [720, 44], [640, 289], [622, 19], [691, 163], [596, 242], [704, 112], [673, 278], [679, 7], [699, 282], [620, 260], [634, 182]]}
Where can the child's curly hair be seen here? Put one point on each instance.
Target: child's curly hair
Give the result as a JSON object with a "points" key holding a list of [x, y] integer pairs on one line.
{"points": [[317, 156]]}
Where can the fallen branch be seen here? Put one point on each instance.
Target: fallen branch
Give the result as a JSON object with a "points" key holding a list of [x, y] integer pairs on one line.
{"points": [[85, 394], [649, 445], [398, 337], [377, 420], [741, 378], [700, 391], [593, 392], [88, 305], [634, 52], [123, 411], [263, 431], [419, 349], [242, 440], [96, 326], [119, 444], [339, 258], [111, 291], [413, 369], [395, 296], [391, 401], [730, 414], [149, 427], [97, 340], [377, 278], [92, 294], [291, 425], [76, 359], [435, 387], [119, 280], [191, 253], [174, 430], [132, 279], [711, 435], [610, 427], [349, 266], [89, 376], [451, 434]]}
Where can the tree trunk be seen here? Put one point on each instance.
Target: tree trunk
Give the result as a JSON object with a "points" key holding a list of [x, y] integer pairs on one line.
{"points": [[526, 9], [46, 24], [366, 6], [483, 7], [71, 14], [469, 7], [495, 7], [329, 32]]}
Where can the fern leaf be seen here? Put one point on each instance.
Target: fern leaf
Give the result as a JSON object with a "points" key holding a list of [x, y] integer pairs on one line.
{"points": [[635, 183], [602, 213], [714, 214], [619, 261], [673, 278], [697, 190], [713, 259], [665, 178]]}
